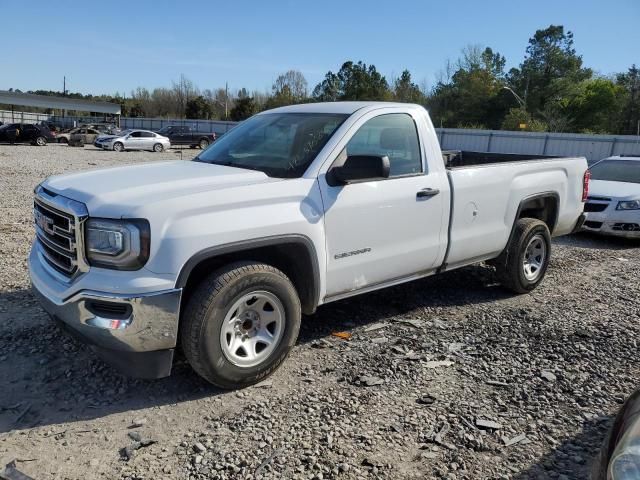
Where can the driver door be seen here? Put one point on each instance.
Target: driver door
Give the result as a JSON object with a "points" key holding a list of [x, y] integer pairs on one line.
{"points": [[133, 141], [383, 230]]}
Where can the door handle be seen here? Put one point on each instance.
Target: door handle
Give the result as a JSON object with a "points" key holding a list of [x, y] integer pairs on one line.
{"points": [[427, 192]]}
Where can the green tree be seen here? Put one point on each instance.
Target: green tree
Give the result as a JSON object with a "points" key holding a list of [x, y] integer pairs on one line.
{"points": [[244, 107], [550, 61], [594, 106], [630, 111], [198, 107], [354, 81], [474, 93], [289, 88], [404, 90]]}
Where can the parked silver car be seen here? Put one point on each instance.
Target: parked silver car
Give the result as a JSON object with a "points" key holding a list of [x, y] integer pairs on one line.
{"points": [[133, 140]]}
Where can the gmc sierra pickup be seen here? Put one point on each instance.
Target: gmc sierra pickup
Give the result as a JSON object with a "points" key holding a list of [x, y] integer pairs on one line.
{"points": [[294, 208]]}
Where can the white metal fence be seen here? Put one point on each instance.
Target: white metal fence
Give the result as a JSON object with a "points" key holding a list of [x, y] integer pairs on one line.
{"points": [[593, 147], [217, 126], [7, 116]]}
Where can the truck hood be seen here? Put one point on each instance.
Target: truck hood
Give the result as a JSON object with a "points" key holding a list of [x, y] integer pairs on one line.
{"points": [[605, 188], [125, 189]]}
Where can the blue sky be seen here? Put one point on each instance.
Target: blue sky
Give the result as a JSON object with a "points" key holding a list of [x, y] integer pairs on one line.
{"points": [[104, 47]]}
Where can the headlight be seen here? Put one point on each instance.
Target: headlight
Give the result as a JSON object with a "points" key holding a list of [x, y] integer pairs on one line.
{"points": [[626, 464], [117, 244], [629, 205]]}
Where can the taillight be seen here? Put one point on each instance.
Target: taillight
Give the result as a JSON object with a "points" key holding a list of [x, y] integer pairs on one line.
{"points": [[585, 185]]}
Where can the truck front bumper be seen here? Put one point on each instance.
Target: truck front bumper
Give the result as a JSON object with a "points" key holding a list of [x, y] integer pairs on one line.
{"points": [[136, 333]]}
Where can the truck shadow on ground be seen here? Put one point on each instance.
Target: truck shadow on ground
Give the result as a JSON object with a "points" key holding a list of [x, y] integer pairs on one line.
{"points": [[49, 378]]}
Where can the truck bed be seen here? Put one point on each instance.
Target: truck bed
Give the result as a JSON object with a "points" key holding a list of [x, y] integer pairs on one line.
{"points": [[487, 189], [461, 158]]}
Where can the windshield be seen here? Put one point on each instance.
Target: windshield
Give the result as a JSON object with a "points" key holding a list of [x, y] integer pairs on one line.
{"points": [[281, 145], [627, 171], [164, 130]]}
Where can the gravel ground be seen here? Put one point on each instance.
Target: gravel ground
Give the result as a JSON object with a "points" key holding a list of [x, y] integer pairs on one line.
{"points": [[448, 377]]}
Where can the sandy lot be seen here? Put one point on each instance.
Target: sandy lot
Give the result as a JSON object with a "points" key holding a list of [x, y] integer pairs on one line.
{"points": [[409, 396]]}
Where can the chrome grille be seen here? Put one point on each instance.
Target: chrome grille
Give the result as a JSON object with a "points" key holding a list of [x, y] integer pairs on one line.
{"points": [[58, 222]]}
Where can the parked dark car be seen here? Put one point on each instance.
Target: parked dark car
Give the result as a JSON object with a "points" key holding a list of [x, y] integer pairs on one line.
{"points": [[182, 135], [26, 133]]}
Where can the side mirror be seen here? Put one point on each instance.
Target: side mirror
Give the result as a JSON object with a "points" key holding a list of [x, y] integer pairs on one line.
{"points": [[358, 168]]}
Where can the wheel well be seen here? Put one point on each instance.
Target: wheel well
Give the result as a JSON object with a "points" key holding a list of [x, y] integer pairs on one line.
{"points": [[293, 259], [543, 207]]}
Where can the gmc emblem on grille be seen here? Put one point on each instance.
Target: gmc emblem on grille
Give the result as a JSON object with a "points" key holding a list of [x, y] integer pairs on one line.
{"points": [[44, 222]]}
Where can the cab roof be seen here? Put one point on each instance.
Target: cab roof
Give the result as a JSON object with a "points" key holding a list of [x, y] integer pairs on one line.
{"points": [[338, 107]]}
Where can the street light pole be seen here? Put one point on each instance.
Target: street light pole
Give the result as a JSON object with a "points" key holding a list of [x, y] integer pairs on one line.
{"points": [[520, 100]]}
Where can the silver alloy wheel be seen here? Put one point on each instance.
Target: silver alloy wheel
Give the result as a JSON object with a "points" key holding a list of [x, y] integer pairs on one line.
{"points": [[118, 147], [158, 147], [41, 141], [252, 328], [203, 144], [534, 257]]}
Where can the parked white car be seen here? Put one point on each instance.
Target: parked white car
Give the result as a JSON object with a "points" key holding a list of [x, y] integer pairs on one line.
{"points": [[294, 208], [613, 205], [133, 140]]}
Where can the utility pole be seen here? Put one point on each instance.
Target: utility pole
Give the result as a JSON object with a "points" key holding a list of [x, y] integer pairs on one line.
{"points": [[64, 92], [226, 99]]}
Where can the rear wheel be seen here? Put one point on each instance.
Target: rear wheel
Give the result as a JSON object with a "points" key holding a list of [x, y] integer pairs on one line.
{"points": [[118, 147], [240, 324], [523, 264], [63, 140], [40, 141], [204, 143], [158, 147]]}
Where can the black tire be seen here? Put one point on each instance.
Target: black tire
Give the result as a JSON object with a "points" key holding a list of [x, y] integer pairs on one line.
{"points": [[158, 148], [203, 143], [510, 265], [63, 140], [207, 308], [118, 147]]}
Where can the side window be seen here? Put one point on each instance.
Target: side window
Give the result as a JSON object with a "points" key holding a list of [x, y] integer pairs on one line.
{"points": [[136, 135], [147, 134], [393, 135]]}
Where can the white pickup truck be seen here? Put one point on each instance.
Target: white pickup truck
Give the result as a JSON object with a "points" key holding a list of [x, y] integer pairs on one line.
{"points": [[294, 208]]}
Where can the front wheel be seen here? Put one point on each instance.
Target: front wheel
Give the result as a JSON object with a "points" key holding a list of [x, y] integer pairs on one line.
{"points": [[118, 147], [158, 147], [523, 264], [240, 324], [204, 143]]}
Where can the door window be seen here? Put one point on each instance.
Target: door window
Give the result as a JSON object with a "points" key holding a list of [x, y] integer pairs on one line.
{"points": [[136, 135], [146, 134], [393, 135]]}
